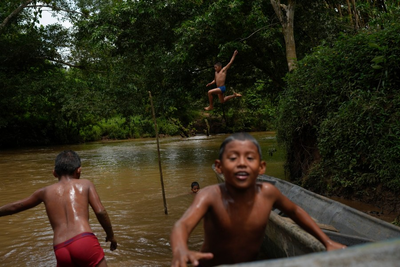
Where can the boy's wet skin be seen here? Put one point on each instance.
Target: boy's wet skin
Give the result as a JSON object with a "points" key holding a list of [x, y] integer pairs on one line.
{"points": [[66, 204], [224, 234], [235, 213]]}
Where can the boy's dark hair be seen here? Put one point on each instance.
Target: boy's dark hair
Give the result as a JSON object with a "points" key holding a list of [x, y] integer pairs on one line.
{"points": [[240, 137], [67, 162], [218, 64], [194, 184]]}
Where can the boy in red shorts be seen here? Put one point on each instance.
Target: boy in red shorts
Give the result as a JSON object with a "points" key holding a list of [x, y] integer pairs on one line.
{"points": [[66, 205]]}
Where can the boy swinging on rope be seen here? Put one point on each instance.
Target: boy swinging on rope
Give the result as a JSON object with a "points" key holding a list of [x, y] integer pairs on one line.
{"points": [[219, 80]]}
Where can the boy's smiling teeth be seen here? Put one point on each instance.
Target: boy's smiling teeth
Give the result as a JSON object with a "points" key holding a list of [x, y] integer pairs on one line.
{"points": [[242, 174]]}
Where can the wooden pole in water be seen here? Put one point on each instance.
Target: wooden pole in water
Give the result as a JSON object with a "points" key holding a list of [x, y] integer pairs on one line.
{"points": [[159, 157]]}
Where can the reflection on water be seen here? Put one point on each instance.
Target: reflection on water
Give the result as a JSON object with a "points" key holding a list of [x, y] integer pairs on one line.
{"points": [[127, 178]]}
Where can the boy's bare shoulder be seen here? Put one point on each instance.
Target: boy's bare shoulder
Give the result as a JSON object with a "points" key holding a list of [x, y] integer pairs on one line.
{"points": [[39, 193], [85, 181], [82, 182], [210, 189], [210, 192], [268, 189]]}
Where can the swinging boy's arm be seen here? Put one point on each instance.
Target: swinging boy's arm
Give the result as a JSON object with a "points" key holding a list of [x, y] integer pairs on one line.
{"points": [[230, 62]]}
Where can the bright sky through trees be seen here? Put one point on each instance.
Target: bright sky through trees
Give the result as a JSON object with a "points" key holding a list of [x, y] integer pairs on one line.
{"points": [[48, 18]]}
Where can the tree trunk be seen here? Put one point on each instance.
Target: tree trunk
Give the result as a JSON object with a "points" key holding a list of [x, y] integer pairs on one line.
{"points": [[14, 14], [339, 8], [356, 17], [349, 10], [285, 14], [353, 14]]}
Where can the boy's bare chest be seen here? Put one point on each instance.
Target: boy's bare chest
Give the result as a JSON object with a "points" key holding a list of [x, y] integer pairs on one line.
{"points": [[252, 217], [220, 75]]}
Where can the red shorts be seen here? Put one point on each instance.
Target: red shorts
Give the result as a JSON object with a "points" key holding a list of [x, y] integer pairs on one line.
{"points": [[81, 250]]}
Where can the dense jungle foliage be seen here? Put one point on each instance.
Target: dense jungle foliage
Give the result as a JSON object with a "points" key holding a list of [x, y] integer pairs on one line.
{"points": [[340, 115], [335, 111], [91, 80]]}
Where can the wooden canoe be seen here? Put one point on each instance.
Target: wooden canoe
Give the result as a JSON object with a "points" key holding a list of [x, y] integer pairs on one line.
{"points": [[341, 223], [382, 254]]}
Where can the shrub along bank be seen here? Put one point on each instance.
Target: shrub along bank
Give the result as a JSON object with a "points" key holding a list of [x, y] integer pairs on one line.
{"points": [[340, 118]]}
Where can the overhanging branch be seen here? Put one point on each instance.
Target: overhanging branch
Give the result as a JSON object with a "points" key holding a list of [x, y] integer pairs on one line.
{"points": [[14, 14]]}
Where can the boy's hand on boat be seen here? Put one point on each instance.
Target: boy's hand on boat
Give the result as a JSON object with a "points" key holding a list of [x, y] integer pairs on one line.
{"points": [[332, 245], [193, 257]]}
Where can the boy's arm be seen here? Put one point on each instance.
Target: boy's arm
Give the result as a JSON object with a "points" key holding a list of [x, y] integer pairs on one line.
{"points": [[303, 219], [184, 226], [208, 84], [230, 62], [102, 216], [21, 205], [105, 222]]}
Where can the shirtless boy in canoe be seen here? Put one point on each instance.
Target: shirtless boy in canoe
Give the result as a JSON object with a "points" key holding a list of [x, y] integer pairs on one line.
{"points": [[235, 213]]}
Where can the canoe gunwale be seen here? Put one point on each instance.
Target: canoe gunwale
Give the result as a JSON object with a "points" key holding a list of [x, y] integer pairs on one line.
{"points": [[327, 211], [285, 239]]}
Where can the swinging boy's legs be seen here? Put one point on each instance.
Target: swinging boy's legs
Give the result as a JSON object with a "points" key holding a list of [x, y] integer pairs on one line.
{"points": [[220, 92]]}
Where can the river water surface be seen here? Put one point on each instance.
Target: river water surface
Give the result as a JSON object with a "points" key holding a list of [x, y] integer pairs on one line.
{"points": [[127, 178]]}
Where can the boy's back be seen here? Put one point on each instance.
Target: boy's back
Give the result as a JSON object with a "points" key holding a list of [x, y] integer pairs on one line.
{"points": [[67, 207]]}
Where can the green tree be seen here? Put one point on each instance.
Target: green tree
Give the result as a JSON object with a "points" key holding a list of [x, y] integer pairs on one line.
{"points": [[169, 48], [339, 114]]}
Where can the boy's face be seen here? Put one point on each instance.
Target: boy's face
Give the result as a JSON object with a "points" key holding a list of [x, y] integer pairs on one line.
{"points": [[217, 68], [195, 189], [240, 164]]}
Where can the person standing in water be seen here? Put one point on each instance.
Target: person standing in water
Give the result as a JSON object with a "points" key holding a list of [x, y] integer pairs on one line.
{"points": [[195, 187], [219, 81], [67, 206]]}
